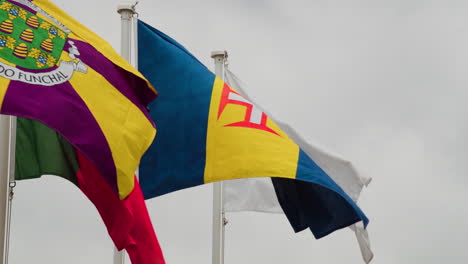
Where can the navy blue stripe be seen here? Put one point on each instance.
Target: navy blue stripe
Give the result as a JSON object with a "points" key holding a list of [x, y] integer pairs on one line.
{"points": [[176, 159], [315, 201]]}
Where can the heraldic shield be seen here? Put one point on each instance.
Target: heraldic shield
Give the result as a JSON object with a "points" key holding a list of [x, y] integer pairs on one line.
{"points": [[32, 45]]}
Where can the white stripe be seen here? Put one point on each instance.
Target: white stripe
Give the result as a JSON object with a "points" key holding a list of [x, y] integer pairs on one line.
{"points": [[258, 194]]}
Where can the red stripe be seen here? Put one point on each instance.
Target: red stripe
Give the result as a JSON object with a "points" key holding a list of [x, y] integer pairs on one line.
{"points": [[127, 221]]}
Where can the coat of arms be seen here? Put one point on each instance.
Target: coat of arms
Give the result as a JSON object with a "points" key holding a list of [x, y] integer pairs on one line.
{"points": [[32, 44]]}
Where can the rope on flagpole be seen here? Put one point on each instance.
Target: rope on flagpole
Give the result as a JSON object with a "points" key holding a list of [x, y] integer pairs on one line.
{"points": [[7, 174]]}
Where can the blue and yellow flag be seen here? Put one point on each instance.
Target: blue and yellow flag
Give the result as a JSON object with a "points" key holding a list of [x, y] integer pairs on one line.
{"points": [[209, 132]]}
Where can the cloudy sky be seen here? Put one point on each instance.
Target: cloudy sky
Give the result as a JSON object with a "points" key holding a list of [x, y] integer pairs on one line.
{"points": [[382, 82]]}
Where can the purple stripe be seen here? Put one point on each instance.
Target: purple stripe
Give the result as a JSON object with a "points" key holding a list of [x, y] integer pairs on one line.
{"points": [[62, 109], [131, 86], [23, 6]]}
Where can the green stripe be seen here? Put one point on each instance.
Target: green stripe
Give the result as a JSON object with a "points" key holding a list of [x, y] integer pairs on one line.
{"points": [[40, 150]]}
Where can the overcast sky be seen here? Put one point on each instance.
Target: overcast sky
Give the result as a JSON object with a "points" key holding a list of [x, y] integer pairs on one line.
{"points": [[382, 82]]}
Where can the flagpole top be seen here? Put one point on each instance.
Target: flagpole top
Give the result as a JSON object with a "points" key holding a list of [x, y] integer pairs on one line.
{"points": [[127, 6], [219, 53]]}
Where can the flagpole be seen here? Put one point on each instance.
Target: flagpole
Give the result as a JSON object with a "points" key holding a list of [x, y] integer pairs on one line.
{"points": [[218, 210], [7, 174], [126, 10]]}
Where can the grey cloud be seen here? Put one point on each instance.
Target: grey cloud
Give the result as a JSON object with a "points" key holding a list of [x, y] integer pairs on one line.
{"points": [[381, 82]]}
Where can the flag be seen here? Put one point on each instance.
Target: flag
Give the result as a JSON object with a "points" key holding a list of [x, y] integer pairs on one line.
{"points": [[260, 195], [56, 71], [209, 132], [41, 151]]}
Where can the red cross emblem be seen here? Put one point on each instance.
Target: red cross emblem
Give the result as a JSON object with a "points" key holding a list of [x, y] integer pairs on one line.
{"points": [[254, 117]]}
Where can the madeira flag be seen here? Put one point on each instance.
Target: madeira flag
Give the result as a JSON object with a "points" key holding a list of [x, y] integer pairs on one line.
{"points": [[209, 132]]}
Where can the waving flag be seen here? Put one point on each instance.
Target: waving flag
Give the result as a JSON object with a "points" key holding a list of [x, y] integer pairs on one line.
{"points": [[54, 70], [209, 132], [259, 194], [42, 151]]}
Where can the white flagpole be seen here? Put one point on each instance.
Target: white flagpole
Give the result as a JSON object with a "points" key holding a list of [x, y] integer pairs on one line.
{"points": [[126, 10], [218, 210], [7, 176]]}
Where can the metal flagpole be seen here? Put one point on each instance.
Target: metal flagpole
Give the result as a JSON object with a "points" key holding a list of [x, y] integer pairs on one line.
{"points": [[7, 176], [126, 10], [218, 211]]}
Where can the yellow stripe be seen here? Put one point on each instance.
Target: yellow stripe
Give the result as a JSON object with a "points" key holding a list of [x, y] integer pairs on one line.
{"points": [[126, 128], [88, 36], [4, 83], [241, 152]]}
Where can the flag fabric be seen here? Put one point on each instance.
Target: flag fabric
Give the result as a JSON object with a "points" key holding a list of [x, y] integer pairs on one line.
{"points": [[259, 194], [209, 132], [41, 151], [55, 70]]}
